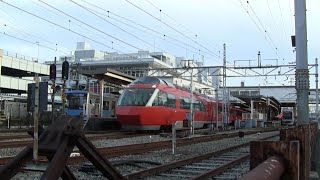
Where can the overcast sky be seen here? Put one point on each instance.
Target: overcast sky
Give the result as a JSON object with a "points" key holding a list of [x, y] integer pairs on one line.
{"points": [[190, 28]]}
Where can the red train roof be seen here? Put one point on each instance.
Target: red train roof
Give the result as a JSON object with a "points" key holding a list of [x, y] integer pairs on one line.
{"points": [[154, 82]]}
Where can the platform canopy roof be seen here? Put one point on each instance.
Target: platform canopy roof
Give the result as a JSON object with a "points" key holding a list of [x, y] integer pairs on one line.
{"points": [[107, 74]]}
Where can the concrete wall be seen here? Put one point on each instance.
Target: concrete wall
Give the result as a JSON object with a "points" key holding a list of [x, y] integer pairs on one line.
{"points": [[25, 65]]}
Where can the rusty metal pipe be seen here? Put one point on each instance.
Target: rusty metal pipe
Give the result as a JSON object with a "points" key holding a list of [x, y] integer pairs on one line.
{"points": [[270, 169]]}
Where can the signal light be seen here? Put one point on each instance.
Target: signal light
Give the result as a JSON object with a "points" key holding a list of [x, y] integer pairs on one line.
{"points": [[57, 88], [53, 71], [65, 70]]}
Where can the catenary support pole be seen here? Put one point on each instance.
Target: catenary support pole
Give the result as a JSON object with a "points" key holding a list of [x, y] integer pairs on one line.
{"points": [[101, 97], [217, 105], [317, 92], [302, 72], [224, 94], [53, 87], [191, 101], [36, 119]]}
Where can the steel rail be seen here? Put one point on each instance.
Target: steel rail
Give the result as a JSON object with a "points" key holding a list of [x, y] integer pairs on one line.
{"points": [[115, 151], [183, 162]]}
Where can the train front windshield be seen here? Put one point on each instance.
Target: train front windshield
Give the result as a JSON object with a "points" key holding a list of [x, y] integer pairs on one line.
{"points": [[287, 115], [135, 97], [76, 101]]}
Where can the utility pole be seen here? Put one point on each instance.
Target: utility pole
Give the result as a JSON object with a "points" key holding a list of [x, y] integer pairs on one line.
{"points": [[302, 72]]}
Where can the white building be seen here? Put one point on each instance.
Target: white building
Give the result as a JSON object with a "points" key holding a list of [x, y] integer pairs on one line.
{"points": [[139, 64]]}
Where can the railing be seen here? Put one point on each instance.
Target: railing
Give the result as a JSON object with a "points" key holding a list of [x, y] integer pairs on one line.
{"points": [[19, 56], [12, 95]]}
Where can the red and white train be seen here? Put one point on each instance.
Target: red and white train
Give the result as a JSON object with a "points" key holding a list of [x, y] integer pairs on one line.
{"points": [[150, 103]]}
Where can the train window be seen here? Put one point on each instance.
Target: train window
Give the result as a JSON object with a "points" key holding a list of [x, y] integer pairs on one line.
{"points": [[196, 105], [181, 102], [106, 106], [171, 100], [147, 80], [107, 90], [184, 103], [135, 97], [202, 107], [161, 99], [76, 101]]}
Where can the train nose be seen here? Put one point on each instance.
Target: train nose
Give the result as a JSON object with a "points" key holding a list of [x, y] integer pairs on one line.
{"points": [[129, 119]]}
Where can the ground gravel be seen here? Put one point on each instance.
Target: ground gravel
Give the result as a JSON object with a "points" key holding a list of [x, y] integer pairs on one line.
{"points": [[161, 156]]}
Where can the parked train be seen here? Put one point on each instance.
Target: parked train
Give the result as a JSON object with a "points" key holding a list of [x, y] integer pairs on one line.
{"points": [[150, 103], [287, 117], [78, 100]]}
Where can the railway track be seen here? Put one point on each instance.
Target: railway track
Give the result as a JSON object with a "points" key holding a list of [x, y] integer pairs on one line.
{"points": [[13, 130], [95, 137], [209, 167], [203, 166], [15, 136], [115, 151]]}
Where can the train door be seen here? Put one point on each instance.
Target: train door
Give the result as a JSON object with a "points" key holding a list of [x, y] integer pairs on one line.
{"points": [[106, 108], [113, 108], [109, 107], [171, 103], [196, 113]]}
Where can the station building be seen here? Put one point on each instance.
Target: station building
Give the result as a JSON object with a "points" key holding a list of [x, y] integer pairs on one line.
{"points": [[17, 71], [133, 64]]}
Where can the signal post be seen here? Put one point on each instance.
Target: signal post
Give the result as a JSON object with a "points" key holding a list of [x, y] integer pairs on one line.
{"points": [[65, 76], [53, 76]]}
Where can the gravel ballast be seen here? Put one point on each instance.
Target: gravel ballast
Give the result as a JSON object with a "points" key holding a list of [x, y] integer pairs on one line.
{"points": [[162, 156]]}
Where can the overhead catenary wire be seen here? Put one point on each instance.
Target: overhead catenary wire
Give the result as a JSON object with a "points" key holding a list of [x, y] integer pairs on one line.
{"points": [[91, 27], [167, 15], [284, 30], [291, 17], [271, 14], [262, 31], [164, 36], [79, 25], [25, 31], [92, 12], [172, 28], [187, 29], [68, 29], [264, 28], [31, 42], [49, 42], [62, 27]]}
